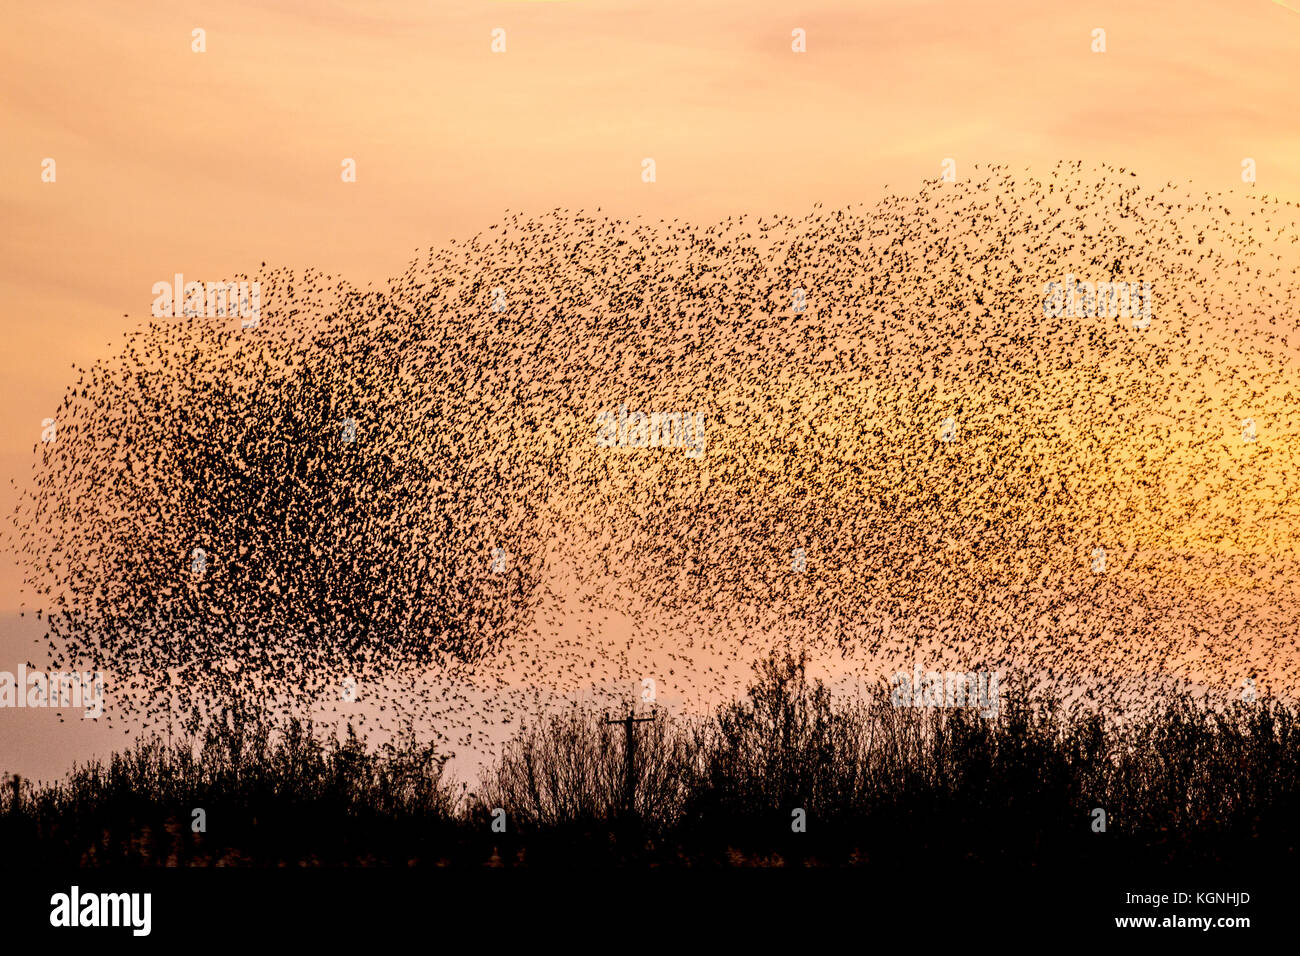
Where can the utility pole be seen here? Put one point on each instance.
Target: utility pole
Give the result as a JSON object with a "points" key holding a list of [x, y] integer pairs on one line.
{"points": [[629, 751]]}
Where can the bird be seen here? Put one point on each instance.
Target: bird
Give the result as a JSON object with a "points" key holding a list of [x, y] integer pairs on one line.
{"points": [[403, 484]]}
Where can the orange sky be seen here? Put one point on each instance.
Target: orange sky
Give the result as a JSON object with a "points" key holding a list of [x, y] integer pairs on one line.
{"points": [[209, 164]]}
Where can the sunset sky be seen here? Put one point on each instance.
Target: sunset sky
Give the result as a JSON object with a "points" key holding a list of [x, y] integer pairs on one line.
{"points": [[209, 164]]}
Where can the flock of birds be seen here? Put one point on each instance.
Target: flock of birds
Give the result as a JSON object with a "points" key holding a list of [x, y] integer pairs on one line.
{"points": [[906, 462]]}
